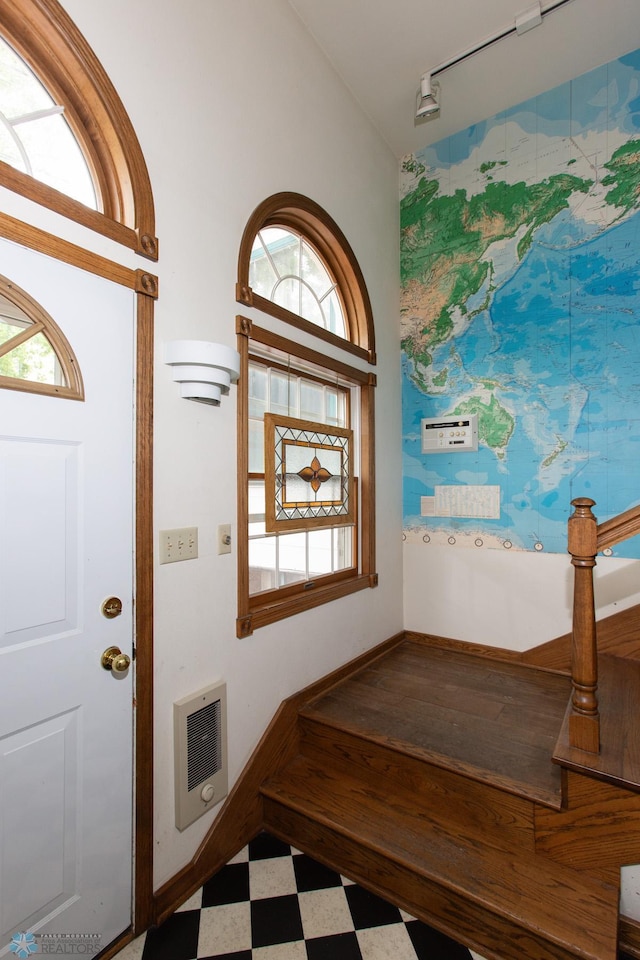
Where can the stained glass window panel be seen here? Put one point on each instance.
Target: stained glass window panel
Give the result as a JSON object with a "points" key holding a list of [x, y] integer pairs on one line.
{"points": [[308, 474], [311, 474]]}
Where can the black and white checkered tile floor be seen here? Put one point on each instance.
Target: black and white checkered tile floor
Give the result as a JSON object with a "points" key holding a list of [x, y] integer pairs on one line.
{"points": [[273, 903]]}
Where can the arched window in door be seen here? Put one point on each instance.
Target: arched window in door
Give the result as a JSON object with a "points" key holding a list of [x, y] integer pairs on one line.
{"points": [[40, 35], [35, 355]]}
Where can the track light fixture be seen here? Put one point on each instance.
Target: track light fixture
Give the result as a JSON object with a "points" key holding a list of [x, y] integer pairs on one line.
{"points": [[427, 105], [428, 95]]}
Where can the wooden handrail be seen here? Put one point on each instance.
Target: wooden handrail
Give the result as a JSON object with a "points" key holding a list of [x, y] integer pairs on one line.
{"points": [[619, 528], [586, 537]]}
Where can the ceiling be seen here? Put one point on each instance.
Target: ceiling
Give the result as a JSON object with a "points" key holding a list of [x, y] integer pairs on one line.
{"points": [[381, 48]]}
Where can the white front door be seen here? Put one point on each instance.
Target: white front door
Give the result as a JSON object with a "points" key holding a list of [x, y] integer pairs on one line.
{"points": [[66, 544]]}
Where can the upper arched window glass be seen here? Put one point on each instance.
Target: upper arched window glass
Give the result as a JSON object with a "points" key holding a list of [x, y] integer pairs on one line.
{"points": [[287, 270], [34, 135], [296, 264]]}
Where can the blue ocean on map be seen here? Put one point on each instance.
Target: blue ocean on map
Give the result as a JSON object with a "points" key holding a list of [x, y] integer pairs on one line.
{"points": [[585, 103], [561, 339]]}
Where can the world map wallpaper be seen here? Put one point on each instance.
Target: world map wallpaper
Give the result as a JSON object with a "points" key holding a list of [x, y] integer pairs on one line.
{"points": [[520, 267]]}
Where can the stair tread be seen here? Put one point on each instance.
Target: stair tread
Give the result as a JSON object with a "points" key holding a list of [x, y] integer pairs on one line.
{"points": [[565, 906], [619, 703], [495, 721]]}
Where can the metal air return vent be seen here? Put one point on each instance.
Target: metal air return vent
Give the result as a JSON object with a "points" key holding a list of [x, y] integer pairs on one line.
{"points": [[200, 744]]}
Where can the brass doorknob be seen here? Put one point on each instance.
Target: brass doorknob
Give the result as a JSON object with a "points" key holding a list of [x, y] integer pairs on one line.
{"points": [[114, 659]]}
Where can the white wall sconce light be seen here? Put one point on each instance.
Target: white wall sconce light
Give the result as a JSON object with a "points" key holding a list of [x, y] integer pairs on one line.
{"points": [[204, 370]]}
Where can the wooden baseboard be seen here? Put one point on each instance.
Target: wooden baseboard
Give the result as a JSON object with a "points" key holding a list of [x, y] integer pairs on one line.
{"points": [[241, 817], [479, 649], [618, 636], [116, 945]]}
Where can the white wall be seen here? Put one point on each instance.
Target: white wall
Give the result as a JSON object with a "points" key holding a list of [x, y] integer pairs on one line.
{"points": [[232, 102], [503, 598]]}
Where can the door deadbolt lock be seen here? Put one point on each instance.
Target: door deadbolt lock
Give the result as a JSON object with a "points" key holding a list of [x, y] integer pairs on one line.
{"points": [[115, 660], [112, 607]]}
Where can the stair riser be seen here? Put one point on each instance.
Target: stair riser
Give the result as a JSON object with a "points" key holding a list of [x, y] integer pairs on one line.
{"points": [[476, 808], [424, 898], [599, 831]]}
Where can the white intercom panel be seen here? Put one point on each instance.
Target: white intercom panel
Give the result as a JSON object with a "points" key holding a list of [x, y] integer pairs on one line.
{"points": [[450, 434]]}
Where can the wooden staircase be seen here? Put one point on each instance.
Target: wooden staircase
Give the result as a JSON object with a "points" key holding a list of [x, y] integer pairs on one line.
{"points": [[492, 794], [427, 777]]}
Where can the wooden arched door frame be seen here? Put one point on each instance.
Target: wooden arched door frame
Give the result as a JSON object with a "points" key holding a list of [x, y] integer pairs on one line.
{"points": [[47, 39]]}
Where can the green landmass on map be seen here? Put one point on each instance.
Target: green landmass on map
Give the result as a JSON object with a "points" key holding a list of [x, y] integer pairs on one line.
{"points": [[561, 445], [525, 243], [624, 176], [491, 165], [495, 423], [413, 165], [444, 239]]}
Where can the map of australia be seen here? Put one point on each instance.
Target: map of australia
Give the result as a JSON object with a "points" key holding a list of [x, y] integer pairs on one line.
{"points": [[520, 266]]}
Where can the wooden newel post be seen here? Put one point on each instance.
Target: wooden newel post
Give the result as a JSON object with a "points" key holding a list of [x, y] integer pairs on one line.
{"points": [[584, 721]]}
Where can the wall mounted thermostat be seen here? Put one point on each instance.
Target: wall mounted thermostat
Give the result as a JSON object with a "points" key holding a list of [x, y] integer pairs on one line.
{"points": [[449, 434]]}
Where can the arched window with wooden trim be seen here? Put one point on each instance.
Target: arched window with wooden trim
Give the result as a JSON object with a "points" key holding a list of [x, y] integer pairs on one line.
{"points": [[42, 46], [35, 355], [296, 264], [306, 475]]}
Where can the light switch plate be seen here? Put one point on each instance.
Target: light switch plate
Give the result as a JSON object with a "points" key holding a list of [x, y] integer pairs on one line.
{"points": [[179, 544]]}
